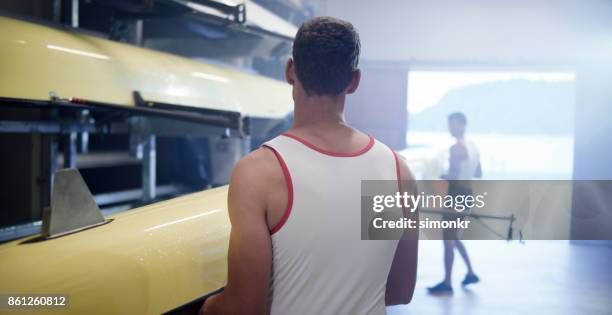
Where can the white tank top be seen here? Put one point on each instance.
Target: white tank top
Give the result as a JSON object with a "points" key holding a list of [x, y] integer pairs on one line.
{"points": [[320, 265]]}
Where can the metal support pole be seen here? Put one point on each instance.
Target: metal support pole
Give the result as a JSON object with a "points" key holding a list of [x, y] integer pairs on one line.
{"points": [[75, 13], [70, 150], [137, 130], [246, 145], [57, 11], [149, 169], [53, 148], [84, 143], [84, 136], [138, 39]]}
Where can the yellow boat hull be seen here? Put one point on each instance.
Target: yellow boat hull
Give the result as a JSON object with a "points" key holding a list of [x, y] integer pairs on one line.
{"points": [[148, 260]]}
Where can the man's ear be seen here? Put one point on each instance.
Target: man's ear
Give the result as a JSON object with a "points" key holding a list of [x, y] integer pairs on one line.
{"points": [[290, 72], [354, 82]]}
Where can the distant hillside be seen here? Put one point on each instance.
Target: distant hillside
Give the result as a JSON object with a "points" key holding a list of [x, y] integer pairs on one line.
{"points": [[514, 106]]}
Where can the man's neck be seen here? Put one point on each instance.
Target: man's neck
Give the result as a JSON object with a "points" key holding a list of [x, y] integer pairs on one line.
{"points": [[319, 112]]}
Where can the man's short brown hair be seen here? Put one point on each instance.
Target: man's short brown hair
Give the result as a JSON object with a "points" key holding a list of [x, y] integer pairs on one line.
{"points": [[326, 55]]}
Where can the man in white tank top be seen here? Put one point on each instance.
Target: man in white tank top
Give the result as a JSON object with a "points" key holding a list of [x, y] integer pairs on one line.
{"points": [[294, 204], [464, 165]]}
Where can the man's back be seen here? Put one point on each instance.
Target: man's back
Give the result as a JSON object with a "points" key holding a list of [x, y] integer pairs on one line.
{"points": [[320, 265], [294, 204]]}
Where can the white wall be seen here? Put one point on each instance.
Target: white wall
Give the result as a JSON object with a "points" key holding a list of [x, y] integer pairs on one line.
{"points": [[379, 105], [479, 30], [399, 34]]}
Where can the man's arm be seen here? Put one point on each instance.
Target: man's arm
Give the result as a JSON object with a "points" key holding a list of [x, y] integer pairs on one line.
{"points": [[458, 153], [478, 172], [250, 251], [402, 276]]}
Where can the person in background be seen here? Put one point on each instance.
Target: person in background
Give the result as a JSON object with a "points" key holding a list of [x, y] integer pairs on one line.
{"points": [[295, 203], [464, 165]]}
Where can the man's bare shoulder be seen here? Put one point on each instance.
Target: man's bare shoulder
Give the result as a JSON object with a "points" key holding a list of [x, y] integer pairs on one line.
{"points": [[257, 182], [257, 167]]}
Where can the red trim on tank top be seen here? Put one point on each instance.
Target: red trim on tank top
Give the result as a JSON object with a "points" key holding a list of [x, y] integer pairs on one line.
{"points": [[331, 153], [289, 184]]}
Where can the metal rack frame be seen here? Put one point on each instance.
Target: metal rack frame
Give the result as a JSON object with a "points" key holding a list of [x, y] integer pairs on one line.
{"points": [[145, 122]]}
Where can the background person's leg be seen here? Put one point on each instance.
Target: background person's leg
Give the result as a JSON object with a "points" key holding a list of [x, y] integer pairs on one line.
{"points": [[449, 236], [464, 255], [449, 258], [470, 277]]}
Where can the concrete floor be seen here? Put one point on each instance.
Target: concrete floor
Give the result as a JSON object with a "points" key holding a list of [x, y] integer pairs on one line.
{"points": [[539, 277]]}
